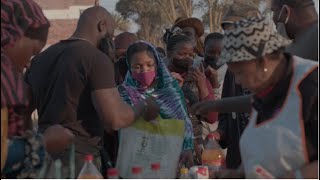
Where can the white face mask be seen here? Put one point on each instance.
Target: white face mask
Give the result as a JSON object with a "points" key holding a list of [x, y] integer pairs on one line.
{"points": [[281, 29]]}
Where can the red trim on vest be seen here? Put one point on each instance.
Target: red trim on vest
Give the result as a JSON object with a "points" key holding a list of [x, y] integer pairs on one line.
{"points": [[303, 135], [265, 92]]}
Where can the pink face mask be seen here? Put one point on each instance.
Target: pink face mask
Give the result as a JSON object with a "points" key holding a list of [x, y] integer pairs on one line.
{"points": [[145, 78]]}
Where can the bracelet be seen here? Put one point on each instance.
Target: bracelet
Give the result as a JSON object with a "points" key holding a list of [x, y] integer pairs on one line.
{"points": [[298, 174]]}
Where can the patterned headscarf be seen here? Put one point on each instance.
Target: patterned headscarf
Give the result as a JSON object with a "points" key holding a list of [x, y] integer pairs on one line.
{"points": [[167, 93], [251, 39], [18, 17], [172, 32]]}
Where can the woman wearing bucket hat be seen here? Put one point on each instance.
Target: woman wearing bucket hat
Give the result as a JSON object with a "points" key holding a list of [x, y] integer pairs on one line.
{"points": [[232, 124], [281, 137]]}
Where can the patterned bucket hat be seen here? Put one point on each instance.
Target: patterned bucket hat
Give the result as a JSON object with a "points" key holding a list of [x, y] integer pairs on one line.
{"points": [[251, 39]]}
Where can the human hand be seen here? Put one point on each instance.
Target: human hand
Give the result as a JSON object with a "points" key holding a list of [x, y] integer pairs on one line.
{"points": [[178, 77], [152, 109], [199, 77], [212, 75], [186, 159], [57, 138]]}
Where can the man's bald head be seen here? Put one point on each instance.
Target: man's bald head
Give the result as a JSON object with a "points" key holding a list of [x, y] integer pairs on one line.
{"points": [[95, 23], [93, 15]]}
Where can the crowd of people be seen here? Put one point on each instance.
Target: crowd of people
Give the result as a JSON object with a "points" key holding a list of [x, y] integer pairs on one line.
{"points": [[254, 88]]}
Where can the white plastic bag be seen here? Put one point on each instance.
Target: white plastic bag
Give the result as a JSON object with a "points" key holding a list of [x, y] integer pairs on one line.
{"points": [[145, 143]]}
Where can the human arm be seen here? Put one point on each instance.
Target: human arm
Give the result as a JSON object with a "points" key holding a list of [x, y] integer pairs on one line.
{"points": [[110, 107], [121, 114], [241, 104]]}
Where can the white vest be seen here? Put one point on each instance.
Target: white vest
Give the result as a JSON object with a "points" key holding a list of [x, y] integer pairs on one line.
{"points": [[278, 144]]}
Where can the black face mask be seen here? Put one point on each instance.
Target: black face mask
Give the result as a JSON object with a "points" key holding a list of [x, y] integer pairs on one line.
{"points": [[212, 61], [107, 47], [182, 64]]}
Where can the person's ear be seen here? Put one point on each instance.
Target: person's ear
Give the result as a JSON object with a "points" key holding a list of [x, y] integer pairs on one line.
{"points": [[102, 26], [284, 14]]}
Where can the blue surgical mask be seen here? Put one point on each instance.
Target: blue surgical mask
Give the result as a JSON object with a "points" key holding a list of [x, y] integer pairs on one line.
{"points": [[281, 29]]}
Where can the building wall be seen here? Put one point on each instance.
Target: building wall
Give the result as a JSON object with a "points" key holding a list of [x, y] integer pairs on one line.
{"points": [[63, 16], [61, 29]]}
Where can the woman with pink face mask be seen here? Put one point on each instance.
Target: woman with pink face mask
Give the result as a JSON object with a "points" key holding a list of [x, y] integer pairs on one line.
{"points": [[149, 76]]}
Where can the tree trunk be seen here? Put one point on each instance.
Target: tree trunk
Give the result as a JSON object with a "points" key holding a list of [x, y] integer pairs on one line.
{"points": [[173, 10], [210, 18]]}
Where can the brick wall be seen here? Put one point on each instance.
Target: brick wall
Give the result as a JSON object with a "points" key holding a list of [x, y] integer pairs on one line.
{"points": [[63, 4], [61, 29]]}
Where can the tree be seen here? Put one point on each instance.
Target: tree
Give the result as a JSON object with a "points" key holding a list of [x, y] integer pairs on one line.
{"points": [[121, 23], [185, 7], [216, 8], [169, 7], [153, 16], [148, 15], [176, 8], [255, 3]]}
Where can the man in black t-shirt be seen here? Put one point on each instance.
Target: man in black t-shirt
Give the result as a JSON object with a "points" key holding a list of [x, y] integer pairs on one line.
{"points": [[73, 84]]}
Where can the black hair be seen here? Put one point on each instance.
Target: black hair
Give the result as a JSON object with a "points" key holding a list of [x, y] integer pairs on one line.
{"points": [[139, 47], [173, 41], [213, 36], [40, 33]]}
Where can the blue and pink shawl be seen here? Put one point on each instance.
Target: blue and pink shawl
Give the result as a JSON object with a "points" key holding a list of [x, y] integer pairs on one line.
{"points": [[167, 93]]}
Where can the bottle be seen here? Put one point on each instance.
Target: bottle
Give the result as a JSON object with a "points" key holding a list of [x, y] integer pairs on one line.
{"points": [[155, 167], [112, 173], [89, 170], [212, 156], [184, 173], [136, 172]]}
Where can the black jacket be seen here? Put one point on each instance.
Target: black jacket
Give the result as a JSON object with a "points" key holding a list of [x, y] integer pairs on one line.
{"points": [[231, 125]]}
